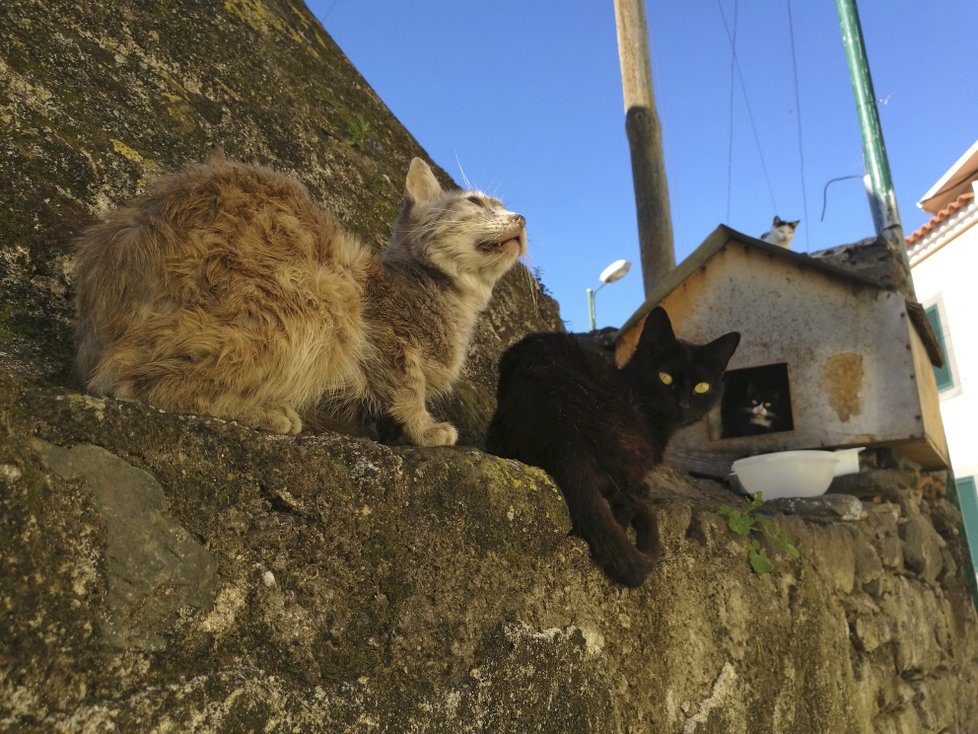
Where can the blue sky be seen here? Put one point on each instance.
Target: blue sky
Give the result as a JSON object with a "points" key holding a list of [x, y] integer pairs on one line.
{"points": [[526, 96]]}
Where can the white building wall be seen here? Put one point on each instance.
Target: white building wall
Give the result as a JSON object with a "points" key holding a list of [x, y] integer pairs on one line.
{"points": [[949, 277]]}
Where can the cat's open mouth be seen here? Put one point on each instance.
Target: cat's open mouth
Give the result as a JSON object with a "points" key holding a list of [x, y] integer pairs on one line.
{"points": [[490, 246]]}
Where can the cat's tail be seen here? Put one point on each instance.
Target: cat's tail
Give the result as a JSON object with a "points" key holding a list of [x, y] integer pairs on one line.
{"points": [[117, 276]]}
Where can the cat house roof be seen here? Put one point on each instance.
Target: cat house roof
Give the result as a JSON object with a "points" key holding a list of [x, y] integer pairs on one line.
{"points": [[723, 237]]}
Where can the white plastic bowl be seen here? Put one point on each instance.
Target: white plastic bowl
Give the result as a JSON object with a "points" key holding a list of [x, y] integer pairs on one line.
{"points": [[787, 473], [848, 461]]}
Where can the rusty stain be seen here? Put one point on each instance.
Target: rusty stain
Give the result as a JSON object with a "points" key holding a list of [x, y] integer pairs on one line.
{"points": [[842, 378]]}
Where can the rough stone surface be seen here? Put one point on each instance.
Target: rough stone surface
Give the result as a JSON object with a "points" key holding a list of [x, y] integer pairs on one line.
{"points": [[872, 257], [327, 583], [145, 551], [179, 573]]}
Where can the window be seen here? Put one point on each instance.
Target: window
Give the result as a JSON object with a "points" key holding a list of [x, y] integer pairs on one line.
{"points": [[968, 502], [756, 401], [944, 375]]}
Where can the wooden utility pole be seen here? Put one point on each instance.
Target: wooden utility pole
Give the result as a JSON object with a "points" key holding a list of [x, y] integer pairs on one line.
{"points": [[645, 141]]}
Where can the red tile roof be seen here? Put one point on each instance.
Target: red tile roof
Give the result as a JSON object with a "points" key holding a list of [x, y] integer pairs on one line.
{"points": [[942, 216]]}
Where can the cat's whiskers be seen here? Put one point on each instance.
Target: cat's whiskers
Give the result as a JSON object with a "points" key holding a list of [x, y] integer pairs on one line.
{"points": [[532, 285], [465, 179]]}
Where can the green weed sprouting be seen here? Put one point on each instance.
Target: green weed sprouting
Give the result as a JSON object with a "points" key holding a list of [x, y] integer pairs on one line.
{"points": [[754, 527], [357, 132]]}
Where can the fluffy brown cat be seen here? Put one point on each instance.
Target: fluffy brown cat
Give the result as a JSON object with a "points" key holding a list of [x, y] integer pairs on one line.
{"points": [[227, 291]]}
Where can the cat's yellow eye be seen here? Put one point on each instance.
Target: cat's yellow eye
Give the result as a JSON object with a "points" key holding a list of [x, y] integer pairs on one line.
{"points": [[666, 378], [701, 387]]}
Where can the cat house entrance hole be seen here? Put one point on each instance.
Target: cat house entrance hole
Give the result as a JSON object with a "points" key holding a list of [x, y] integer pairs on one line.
{"points": [[756, 401]]}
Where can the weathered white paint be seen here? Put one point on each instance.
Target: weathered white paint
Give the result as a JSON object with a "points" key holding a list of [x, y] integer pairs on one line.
{"points": [[944, 266]]}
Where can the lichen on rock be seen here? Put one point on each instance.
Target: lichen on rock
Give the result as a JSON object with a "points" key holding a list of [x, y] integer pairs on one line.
{"points": [[170, 572]]}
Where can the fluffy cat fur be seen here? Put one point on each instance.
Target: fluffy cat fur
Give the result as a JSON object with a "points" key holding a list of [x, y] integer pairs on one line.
{"points": [[227, 291], [598, 430], [781, 232]]}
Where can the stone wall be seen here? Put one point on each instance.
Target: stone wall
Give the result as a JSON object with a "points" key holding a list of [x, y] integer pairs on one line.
{"points": [[168, 572]]}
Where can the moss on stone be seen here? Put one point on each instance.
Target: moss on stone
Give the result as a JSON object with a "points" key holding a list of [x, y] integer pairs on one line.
{"points": [[360, 587]]}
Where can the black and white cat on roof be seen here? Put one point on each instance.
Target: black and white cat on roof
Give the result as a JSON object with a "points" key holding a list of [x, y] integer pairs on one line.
{"points": [[781, 232]]}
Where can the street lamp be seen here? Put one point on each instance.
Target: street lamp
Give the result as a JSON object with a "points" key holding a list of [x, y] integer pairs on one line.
{"points": [[615, 271]]}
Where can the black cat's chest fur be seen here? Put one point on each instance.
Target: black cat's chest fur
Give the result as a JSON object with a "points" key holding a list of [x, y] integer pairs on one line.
{"points": [[598, 430]]}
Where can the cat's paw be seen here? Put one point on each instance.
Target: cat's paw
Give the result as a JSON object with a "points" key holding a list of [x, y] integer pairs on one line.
{"points": [[274, 419], [631, 569], [437, 434]]}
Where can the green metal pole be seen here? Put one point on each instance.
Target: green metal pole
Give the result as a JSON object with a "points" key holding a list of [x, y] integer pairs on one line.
{"points": [[882, 198]]}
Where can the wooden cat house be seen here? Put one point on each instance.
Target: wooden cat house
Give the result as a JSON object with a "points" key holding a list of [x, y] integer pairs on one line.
{"points": [[838, 360]]}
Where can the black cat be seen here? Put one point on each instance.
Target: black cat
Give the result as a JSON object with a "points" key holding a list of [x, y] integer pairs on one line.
{"points": [[598, 430], [758, 414], [755, 402]]}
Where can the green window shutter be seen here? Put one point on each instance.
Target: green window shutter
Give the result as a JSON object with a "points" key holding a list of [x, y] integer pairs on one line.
{"points": [[941, 374], [968, 502]]}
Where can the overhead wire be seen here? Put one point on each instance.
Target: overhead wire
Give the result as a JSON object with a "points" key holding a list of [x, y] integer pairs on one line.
{"points": [[733, 56], [825, 191], [750, 114], [801, 147]]}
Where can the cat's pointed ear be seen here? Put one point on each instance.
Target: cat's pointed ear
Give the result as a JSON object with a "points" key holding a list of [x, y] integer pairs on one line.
{"points": [[657, 330], [794, 224], [777, 221], [722, 348], [421, 186]]}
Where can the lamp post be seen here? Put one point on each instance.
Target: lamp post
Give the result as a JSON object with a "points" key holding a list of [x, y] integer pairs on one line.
{"points": [[615, 271]]}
